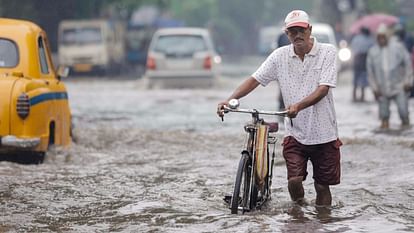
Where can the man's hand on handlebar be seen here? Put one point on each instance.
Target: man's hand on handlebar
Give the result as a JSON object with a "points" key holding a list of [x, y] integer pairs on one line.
{"points": [[293, 110], [220, 109]]}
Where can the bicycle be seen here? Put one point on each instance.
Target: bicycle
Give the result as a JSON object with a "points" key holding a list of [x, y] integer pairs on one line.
{"points": [[252, 187]]}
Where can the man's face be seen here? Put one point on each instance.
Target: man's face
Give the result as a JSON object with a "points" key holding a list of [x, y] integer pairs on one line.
{"points": [[299, 36], [382, 40]]}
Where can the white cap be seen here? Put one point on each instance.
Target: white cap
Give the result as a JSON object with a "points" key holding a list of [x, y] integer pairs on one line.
{"points": [[297, 18], [382, 29]]}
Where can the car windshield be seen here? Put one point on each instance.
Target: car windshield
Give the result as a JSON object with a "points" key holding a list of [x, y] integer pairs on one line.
{"points": [[9, 55], [88, 35], [180, 44]]}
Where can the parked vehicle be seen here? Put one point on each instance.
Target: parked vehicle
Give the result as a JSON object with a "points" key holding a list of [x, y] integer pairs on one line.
{"points": [[92, 45], [34, 106], [182, 57], [324, 33]]}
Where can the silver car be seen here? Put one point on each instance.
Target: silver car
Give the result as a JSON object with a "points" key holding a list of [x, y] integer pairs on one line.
{"points": [[182, 57]]}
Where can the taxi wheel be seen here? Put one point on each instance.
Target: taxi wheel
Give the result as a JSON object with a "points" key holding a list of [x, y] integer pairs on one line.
{"points": [[29, 157], [39, 157], [35, 157]]}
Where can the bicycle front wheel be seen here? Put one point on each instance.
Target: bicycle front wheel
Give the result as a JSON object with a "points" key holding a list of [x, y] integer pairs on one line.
{"points": [[242, 185]]}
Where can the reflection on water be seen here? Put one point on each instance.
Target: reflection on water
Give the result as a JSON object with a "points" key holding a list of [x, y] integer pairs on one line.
{"points": [[126, 174]]}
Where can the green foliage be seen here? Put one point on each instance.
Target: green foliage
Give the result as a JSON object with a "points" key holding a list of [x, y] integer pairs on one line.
{"points": [[410, 25], [7, 9], [385, 6], [194, 13]]}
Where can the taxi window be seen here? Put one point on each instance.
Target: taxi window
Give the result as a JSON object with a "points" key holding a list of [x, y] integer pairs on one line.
{"points": [[9, 55], [42, 57]]}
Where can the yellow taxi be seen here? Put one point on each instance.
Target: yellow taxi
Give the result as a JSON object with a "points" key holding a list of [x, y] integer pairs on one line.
{"points": [[34, 106]]}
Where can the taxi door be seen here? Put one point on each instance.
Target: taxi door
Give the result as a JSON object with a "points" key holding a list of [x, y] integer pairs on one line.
{"points": [[57, 95]]}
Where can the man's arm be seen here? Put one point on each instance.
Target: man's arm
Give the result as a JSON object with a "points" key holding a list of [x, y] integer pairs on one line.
{"points": [[245, 88], [310, 100]]}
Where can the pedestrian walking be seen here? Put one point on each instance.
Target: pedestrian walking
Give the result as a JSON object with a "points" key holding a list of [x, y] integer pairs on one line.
{"points": [[306, 71], [360, 44], [390, 75]]}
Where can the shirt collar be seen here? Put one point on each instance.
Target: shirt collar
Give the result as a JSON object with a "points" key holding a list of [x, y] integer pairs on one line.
{"points": [[313, 51]]}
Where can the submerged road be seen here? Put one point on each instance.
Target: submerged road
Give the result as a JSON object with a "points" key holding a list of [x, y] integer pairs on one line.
{"points": [[161, 161]]}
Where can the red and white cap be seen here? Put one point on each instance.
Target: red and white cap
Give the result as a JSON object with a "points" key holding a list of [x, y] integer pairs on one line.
{"points": [[297, 18]]}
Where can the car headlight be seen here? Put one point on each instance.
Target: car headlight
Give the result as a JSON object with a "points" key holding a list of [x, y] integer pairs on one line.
{"points": [[344, 54]]}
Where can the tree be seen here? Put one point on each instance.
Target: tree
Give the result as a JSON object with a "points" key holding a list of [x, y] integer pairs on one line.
{"points": [[384, 6]]}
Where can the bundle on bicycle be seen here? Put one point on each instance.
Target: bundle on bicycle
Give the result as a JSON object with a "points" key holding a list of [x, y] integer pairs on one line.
{"points": [[252, 187]]}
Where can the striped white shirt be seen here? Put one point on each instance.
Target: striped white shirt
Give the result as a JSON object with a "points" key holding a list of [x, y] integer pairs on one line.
{"points": [[298, 79]]}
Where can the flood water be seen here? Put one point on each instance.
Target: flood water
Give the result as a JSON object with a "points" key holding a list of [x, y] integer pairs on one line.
{"points": [[161, 161]]}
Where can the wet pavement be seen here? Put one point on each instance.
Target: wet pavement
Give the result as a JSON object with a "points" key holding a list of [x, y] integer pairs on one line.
{"points": [[161, 161]]}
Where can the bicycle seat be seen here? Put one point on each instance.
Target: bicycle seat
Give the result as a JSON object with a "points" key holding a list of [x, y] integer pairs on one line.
{"points": [[273, 126]]}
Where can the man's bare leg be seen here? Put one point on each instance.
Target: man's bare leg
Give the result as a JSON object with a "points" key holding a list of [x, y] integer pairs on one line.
{"points": [[323, 195], [296, 189]]}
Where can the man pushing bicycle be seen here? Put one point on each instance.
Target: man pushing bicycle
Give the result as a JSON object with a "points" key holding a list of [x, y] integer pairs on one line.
{"points": [[306, 72]]}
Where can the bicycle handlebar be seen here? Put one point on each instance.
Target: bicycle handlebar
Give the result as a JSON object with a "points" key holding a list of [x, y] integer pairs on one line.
{"points": [[260, 112]]}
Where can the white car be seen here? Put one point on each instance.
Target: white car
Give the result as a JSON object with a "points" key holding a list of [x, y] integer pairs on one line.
{"points": [[181, 57], [324, 33]]}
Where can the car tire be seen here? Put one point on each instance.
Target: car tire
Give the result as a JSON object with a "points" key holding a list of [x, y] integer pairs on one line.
{"points": [[26, 157], [39, 157]]}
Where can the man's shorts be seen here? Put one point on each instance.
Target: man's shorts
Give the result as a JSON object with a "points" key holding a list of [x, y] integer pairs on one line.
{"points": [[325, 160]]}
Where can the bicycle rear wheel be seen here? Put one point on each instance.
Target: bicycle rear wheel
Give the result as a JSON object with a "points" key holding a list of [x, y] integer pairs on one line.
{"points": [[242, 185], [253, 194]]}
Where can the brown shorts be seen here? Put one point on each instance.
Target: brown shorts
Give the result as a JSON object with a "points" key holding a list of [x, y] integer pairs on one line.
{"points": [[325, 160]]}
